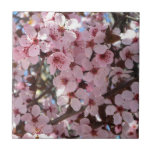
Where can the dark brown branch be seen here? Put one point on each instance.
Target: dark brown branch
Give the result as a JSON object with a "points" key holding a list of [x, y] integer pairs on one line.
{"points": [[37, 77], [127, 17], [70, 112]]}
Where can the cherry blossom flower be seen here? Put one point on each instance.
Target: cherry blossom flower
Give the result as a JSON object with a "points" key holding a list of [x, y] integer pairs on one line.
{"points": [[30, 41], [118, 73], [92, 104], [36, 123], [65, 81], [18, 108], [58, 61], [93, 39], [50, 109], [105, 59], [130, 54]]}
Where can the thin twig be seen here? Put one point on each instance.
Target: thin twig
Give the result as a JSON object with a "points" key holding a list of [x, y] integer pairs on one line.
{"points": [[38, 76], [39, 97]]}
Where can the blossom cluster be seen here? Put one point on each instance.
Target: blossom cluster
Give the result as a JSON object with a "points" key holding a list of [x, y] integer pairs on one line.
{"points": [[75, 75]]}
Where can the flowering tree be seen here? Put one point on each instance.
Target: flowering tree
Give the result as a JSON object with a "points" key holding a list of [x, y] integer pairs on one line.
{"points": [[75, 75]]}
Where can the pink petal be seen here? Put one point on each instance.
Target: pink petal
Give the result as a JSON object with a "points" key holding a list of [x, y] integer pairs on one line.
{"points": [[71, 86], [81, 93], [25, 63], [88, 52], [129, 63], [29, 128], [28, 136], [47, 129], [72, 24], [118, 100], [59, 19], [34, 50], [44, 46], [23, 109], [86, 64], [100, 49], [34, 60], [127, 95], [24, 41], [75, 104], [94, 110], [85, 129], [52, 69], [77, 72], [43, 34], [99, 38], [84, 121], [30, 31], [62, 100], [127, 116], [69, 36], [110, 109], [26, 117], [35, 110], [117, 119], [135, 87], [134, 106], [88, 77], [136, 58], [43, 119]]}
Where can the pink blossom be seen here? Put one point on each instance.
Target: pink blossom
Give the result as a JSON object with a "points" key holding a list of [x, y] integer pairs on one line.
{"points": [[118, 73], [92, 104], [105, 59], [36, 122], [130, 54], [18, 108], [66, 82], [30, 41], [58, 61]]}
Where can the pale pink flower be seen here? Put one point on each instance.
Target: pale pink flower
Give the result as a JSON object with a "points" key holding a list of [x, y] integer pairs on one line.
{"points": [[50, 109], [59, 61], [19, 108], [70, 24], [36, 122], [134, 105], [83, 129], [93, 39], [118, 73], [130, 54], [30, 41], [65, 82], [92, 104], [119, 110], [105, 59]]}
